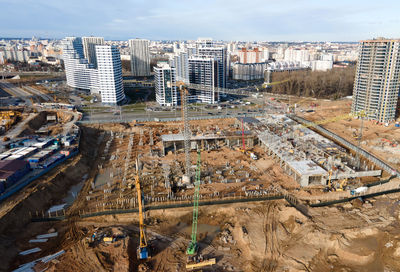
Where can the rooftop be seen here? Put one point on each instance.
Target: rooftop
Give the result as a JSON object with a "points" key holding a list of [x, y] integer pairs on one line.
{"points": [[307, 168]]}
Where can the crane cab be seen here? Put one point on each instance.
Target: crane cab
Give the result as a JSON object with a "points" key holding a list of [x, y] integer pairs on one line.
{"points": [[192, 249], [143, 253]]}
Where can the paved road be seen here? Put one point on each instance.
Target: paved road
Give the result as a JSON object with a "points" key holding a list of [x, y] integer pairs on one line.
{"points": [[165, 114], [16, 91], [68, 126], [16, 130], [34, 91]]}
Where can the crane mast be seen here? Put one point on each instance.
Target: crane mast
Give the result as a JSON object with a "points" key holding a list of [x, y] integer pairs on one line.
{"points": [[142, 251], [192, 248], [243, 144]]}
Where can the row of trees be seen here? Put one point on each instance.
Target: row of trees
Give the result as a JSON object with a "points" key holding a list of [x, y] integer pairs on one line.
{"points": [[331, 84]]}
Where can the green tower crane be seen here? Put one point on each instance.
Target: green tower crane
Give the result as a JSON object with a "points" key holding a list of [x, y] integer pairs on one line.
{"points": [[192, 248]]}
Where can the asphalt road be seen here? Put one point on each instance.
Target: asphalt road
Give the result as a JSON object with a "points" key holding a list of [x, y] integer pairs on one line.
{"points": [[44, 96], [163, 114], [16, 91], [4, 93]]}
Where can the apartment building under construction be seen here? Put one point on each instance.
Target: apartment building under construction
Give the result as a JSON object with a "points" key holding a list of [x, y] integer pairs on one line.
{"points": [[377, 82]]}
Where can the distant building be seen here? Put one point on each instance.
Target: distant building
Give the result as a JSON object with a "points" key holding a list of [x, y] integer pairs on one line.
{"points": [[250, 56], [203, 70], [110, 74], [219, 54], [2, 59], [232, 47], [204, 42], [377, 82], [140, 57], [321, 65], [14, 54], [165, 85], [89, 48], [297, 55], [78, 71], [181, 63], [249, 71], [282, 66]]}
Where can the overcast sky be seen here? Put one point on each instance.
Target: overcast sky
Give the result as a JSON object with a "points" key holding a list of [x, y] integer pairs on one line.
{"points": [[266, 20]]}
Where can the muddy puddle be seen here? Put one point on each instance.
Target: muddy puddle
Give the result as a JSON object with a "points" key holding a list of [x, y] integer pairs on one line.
{"points": [[102, 178], [204, 231], [74, 191]]}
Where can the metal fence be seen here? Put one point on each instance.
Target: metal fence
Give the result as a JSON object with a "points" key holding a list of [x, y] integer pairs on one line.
{"points": [[169, 204]]}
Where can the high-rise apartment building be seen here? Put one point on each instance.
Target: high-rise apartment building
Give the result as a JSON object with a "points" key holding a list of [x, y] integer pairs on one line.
{"points": [[89, 48], [377, 82], [248, 71], [165, 85], [181, 63], [204, 42], [203, 70], [219, 54], [79, 73], [110, 74], [140, 57], [250, 56]]}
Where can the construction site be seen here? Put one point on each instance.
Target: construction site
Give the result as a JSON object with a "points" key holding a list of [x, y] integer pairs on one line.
{"points": [[246, 193]]}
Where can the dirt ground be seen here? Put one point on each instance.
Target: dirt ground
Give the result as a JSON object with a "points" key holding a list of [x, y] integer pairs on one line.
{"points": [[270, 236], [16, 211], [257, 236], [40, 121], [375, 136]]}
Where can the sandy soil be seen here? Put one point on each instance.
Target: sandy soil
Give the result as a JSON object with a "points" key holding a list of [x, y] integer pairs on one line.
{"points": [[372, 133], [269, 236], [262, 236]]}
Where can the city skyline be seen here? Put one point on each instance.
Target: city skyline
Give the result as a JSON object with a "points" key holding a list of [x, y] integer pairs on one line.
{"points": [[288, 20]]}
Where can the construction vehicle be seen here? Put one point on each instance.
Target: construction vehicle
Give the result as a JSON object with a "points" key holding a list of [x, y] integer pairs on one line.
{"points": [[8, 118], [359, 190], [329, 186], [192, 248], [355, 135], [337, 186], [143, 252], [341, 185]]}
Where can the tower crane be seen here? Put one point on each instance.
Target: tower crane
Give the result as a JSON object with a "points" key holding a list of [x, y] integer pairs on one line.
{"points": [[143, 252], [186, 130], [192, 248]]}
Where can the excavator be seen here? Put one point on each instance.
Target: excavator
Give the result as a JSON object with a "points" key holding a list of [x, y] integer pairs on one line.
{"points": [[337, 186], [341, 185], [143, 251], [329, 186]]}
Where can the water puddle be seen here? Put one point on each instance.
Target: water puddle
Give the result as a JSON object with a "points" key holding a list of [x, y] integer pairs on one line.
{"points": [[102, 178], [203, 231], [74, 191]]}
